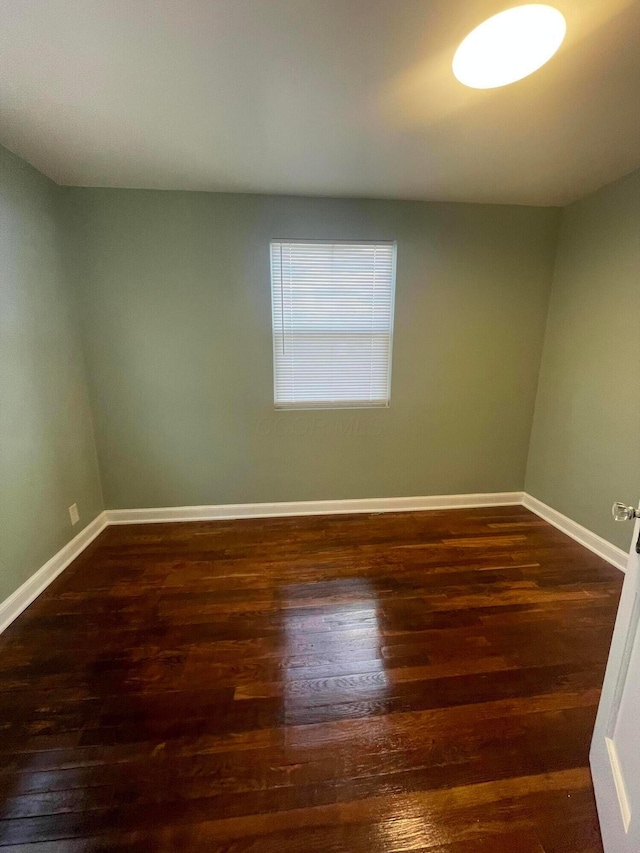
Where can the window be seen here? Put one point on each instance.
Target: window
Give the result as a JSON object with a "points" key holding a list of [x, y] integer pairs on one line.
{"points": [[332, 306]]}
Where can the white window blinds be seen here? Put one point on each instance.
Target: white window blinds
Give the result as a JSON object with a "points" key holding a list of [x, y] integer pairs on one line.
{"points": [[332, 323]]}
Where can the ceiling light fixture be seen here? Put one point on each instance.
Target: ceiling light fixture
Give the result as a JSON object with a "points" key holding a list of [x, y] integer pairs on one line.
{"points": [[509, 46]]}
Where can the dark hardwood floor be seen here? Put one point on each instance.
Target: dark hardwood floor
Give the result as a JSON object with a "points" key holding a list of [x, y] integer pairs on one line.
{"points": [[338, 684]]}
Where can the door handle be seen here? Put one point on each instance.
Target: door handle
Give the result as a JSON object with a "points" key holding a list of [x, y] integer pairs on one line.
{"points": [[622, 512]]}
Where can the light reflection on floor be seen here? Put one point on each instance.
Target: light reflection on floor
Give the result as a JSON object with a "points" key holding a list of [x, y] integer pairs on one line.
{"points": [[407, 828], [329, 641], [333, 641]]}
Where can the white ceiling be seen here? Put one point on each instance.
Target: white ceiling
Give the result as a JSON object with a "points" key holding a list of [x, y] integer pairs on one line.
{"points": [[323, 97]]}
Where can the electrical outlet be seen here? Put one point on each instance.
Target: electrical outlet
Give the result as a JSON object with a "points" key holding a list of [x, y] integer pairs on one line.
{"points": [[74, 515]]}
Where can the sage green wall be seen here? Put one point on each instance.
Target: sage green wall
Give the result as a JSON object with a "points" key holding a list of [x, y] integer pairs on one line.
{"points": [[47, 452], [175, 297], [585, 445]]}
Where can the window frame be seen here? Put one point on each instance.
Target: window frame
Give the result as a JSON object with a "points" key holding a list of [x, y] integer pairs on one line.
{"points": [[328, 405]]}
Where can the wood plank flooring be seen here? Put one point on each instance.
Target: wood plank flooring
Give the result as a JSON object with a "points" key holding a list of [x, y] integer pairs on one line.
{"points": [[338, 684]]}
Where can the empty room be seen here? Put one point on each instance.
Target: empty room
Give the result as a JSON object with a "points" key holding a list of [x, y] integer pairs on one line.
{"points": [[319, 458]]}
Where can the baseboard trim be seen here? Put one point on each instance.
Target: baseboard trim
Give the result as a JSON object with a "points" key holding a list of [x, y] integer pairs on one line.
{"points": [[293, 508], [19, 600], [609, 552], [13, 606]]}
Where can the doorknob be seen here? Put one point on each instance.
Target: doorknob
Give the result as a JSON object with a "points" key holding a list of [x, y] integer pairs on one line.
{"points": [[622, 512]]}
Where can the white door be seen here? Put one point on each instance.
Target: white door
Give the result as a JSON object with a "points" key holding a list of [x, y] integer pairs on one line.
{"points": [[615, 750]]}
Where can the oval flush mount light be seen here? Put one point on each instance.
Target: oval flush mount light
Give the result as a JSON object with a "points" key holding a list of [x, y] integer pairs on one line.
{"points": [[509, 46]]}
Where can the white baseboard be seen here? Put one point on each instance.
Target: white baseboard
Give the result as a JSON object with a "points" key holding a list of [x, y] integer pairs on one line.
{"points": [[275, 510], [13, 606], [611, 553], [18, 601]]}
